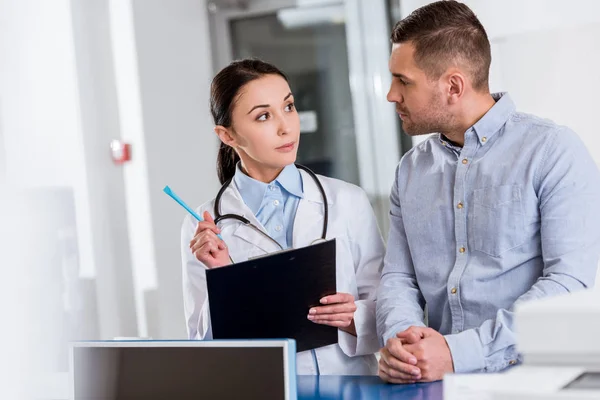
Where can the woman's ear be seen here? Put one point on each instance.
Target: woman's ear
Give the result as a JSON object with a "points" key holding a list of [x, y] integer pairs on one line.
{"points": [[225, 135]]}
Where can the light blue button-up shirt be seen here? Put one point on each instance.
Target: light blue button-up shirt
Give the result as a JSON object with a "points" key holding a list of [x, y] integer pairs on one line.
{"points": [[509, 217], [274, 204]]}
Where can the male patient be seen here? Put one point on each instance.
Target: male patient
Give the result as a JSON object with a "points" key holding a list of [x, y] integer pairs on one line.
{"points": [[497, 208]]}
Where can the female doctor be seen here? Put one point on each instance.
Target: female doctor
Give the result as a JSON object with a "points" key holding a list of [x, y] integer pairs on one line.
{"points": [[283, 206]]}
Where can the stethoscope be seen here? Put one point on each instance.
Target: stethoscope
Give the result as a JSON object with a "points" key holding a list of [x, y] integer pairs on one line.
{"points": [[219, 218]]}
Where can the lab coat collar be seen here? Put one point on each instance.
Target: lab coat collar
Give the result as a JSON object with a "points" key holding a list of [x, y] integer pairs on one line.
{"points": [[311, 190], [308, 223], [232, 203], [309, 212]]}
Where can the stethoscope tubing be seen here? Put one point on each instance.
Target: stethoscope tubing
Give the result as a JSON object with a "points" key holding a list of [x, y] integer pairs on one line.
{"points": [[220, 218]]}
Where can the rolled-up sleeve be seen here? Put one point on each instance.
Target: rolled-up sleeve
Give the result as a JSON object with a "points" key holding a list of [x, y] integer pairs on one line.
{"points": [[400, 303]]}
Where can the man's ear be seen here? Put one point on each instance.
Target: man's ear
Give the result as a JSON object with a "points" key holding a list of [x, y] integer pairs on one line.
{"points": [[456, 85], [225, 135]]}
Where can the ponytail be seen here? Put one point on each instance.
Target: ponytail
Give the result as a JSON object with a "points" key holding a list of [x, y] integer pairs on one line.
{"points": [[226, 162]]}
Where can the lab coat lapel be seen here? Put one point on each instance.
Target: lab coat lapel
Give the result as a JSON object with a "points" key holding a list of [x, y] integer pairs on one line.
{"points": [[308, 223], [232, 203]]}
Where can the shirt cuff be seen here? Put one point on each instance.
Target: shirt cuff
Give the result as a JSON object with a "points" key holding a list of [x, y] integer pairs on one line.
{"points": [[467, 351], [365, 342]]}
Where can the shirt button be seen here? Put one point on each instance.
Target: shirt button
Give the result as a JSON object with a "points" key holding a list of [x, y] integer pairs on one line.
{"points": [[484, 139], [278, 228], [276, 202], [453, 291], [512, 362], [464, 161], [273, 188], [459, 205], [462, 250]]}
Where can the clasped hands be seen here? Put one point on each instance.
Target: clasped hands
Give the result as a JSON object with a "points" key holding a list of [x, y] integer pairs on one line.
{"points": [[417, 354]]}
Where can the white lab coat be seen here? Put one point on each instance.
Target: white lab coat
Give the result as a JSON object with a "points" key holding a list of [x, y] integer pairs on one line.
{"points": [[359, 253]]}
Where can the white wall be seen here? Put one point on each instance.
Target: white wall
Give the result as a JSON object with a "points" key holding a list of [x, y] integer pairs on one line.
{"points": [[41, 133], [175, 70], [2, 150], [58, 115], [100, 123]]}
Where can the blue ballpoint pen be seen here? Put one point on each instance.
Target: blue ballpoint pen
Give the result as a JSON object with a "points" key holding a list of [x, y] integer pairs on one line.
{"points": [[172, 194]]}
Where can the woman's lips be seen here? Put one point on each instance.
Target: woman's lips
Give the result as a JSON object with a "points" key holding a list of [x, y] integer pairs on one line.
{"points": [[286, 147]]}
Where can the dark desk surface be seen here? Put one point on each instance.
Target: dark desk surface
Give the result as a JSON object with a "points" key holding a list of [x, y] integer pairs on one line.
{"points": [[363, 387]]}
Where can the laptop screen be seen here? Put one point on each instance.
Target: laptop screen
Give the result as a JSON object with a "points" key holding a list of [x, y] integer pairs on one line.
{"points": [[119, 373]]}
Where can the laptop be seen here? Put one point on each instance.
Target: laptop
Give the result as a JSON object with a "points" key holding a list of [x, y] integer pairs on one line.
{"points": [[153, 370]]}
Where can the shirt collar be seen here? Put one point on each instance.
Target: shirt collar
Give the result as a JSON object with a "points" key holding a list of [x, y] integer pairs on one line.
{"points": [[490, 123], [291, 181], [253, 191], [495, 118]]}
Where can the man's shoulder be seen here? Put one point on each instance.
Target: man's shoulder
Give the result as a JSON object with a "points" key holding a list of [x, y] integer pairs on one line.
{"points": [[534, 125], [538, 130], [418, 152], [424, 146]]}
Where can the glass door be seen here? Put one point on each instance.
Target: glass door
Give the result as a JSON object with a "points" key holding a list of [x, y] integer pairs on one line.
{"points": [[335, 54], [312, 53]]}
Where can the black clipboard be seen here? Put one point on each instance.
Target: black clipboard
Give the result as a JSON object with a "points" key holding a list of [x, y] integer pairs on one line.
{"points": [[269, 297]]}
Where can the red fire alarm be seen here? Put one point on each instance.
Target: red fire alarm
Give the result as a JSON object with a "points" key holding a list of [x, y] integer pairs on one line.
{"points": [[120, 151]]}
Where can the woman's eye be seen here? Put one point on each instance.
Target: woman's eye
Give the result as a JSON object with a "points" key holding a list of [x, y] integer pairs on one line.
{"points": [[263, 117], [290, 107]]}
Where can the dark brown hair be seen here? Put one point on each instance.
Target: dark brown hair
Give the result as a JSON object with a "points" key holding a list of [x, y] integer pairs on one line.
{"points": [[447, 32], [223, 91]]}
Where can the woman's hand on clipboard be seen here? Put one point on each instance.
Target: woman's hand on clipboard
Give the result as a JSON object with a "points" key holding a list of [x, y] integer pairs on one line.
{"points": [[206, 246], [338, 311]]}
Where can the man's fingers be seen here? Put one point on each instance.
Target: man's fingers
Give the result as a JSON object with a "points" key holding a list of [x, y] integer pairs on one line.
{"points": [[416, 332], [333, 309], [394, 373], [408, 337], [395, 348], [337, 298], [399, 365], [386, 377]]}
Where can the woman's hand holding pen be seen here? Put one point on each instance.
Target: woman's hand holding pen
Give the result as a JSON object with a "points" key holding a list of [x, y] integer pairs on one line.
{"points": [[338, 312], [206, 246]]}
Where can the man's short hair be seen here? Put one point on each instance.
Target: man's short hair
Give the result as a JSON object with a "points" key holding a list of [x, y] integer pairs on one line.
{"points": [[447, 33]]}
